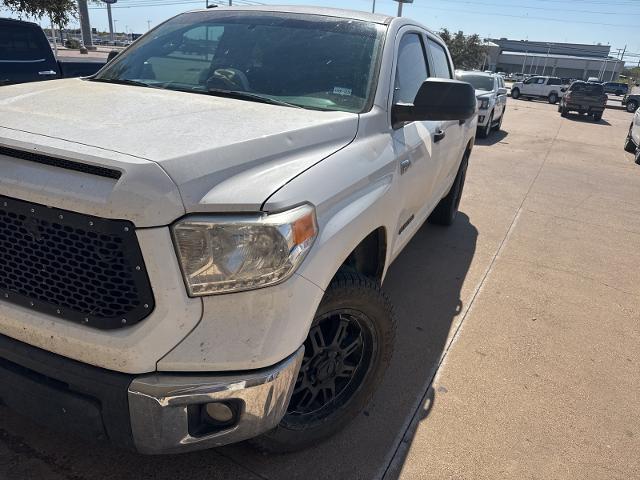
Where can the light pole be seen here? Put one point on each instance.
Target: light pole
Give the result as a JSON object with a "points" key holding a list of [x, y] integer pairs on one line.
{"points": [[109, 3], [400, 2], [373, 9]]}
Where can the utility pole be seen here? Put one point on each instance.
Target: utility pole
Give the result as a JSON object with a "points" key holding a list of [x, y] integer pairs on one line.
{"points": [[85, 25], [148, 25], [400, 2], [373, 9], [546, 58], [613, 70], [525, 61], [230, 3]]}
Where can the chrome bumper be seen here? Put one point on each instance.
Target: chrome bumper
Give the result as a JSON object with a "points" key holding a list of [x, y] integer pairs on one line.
{"points": [[158, 405]]}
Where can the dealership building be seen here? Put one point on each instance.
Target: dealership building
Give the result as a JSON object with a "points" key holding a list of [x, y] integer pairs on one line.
{"points": [[565, 60]]}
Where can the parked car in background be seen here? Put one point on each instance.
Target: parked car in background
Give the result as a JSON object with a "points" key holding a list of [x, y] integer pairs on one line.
{"points": [[616, 88], [232, 218], [538, 87], [631, 102], [26, 56], [518, 77], [632, 142], [593, 80], [492, 99], [584, 97]]}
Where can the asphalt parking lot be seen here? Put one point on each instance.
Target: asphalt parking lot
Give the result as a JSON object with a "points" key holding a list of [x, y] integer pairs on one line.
{"points": [[518, 344]]}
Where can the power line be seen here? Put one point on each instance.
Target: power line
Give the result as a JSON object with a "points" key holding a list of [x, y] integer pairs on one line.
{"points": [[526, 17]]}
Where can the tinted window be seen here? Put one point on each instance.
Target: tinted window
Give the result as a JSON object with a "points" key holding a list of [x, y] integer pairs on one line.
{"points": [[440, 60], [479, 82], [411, 71], [22, 42], [554, 81], [312, 61], [588, 88]]}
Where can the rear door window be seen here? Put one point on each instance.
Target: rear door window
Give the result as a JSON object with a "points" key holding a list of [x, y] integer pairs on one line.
{"points": [[441, 68], [22, 42]]}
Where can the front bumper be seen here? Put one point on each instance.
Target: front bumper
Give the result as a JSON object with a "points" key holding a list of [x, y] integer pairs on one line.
{"points": [[152, 414]]}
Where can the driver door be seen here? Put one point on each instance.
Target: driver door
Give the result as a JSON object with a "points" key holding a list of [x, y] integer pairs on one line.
{"points": [[415, 151]]}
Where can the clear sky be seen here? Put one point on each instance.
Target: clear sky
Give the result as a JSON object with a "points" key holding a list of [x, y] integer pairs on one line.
{"points": [[613, 22]]}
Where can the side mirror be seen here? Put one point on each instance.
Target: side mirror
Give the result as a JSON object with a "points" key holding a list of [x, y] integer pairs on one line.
{"points": [[502, 91], [112, 54], [437, 99]]}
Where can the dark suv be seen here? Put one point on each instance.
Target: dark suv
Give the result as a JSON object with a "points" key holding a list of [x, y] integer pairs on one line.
{"points": [[583, 97], [616, 88]]}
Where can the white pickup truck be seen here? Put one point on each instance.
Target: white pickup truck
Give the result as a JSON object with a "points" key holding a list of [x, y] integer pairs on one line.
{"points": [[192, 241], [549, 88]]}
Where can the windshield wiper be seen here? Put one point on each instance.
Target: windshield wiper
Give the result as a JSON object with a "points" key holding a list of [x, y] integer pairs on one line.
{"points": [[121, 81], [254, 97]]}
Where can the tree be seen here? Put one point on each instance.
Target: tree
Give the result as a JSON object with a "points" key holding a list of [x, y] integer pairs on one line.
{"points": [[466, 51], [60, 11]]}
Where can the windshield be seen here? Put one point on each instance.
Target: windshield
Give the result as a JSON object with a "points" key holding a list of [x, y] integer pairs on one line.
{"points": [[479, 82], [22, 42], [310, 61]]}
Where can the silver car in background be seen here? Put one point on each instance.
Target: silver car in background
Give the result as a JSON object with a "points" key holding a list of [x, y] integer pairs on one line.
{"points": [[492, 99]]}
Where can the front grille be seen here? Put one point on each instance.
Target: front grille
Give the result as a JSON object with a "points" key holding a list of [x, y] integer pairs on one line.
{"points": [[78, 267]]}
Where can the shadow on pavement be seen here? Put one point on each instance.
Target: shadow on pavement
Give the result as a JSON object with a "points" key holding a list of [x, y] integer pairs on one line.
{"points": [[425, 285], [495, 137]]}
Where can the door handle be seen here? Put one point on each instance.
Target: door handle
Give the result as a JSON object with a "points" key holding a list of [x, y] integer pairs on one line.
{"points": [[439, 135], [404, 166], [48, 72]]}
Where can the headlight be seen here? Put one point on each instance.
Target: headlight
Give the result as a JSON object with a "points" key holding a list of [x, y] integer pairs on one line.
{"points": [[484, 103], [220, 254]]}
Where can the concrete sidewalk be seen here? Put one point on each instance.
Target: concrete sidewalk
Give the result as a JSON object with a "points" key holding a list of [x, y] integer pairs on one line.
{"points": [[527, 311]]}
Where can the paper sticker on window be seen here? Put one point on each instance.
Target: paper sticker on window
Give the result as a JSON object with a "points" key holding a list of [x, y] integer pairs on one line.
{"points": [[341, 91]]}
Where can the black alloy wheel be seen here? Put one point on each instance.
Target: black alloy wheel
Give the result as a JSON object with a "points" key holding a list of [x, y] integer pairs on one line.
{"points": [[339, 351]]}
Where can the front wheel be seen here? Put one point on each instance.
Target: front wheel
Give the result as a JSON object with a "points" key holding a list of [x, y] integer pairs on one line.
{"points": [[347, 352], [597, 117], [632, 106], [553, 98], [515, 93]]}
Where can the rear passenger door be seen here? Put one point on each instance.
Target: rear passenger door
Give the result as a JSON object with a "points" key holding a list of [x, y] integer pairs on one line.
{"points": [[452, 144]]}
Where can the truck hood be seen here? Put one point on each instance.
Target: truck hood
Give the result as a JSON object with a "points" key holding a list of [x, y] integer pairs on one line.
{"points": [[222, 154]]}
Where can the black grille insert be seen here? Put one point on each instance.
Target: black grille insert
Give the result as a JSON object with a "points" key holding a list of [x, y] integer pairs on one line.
{"points": [[61, 163], [78, 267]]}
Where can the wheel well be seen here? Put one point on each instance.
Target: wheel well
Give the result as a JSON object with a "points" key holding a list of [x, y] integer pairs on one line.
{"points": [[368, 258]]}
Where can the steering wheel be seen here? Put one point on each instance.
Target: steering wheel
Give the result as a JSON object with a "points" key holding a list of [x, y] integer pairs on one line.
{"points": [[229, 79]]}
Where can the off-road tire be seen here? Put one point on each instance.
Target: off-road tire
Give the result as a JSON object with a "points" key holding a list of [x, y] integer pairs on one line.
{"points": [[446, 211], [347, 292], [553, 98], [631, 106]]}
